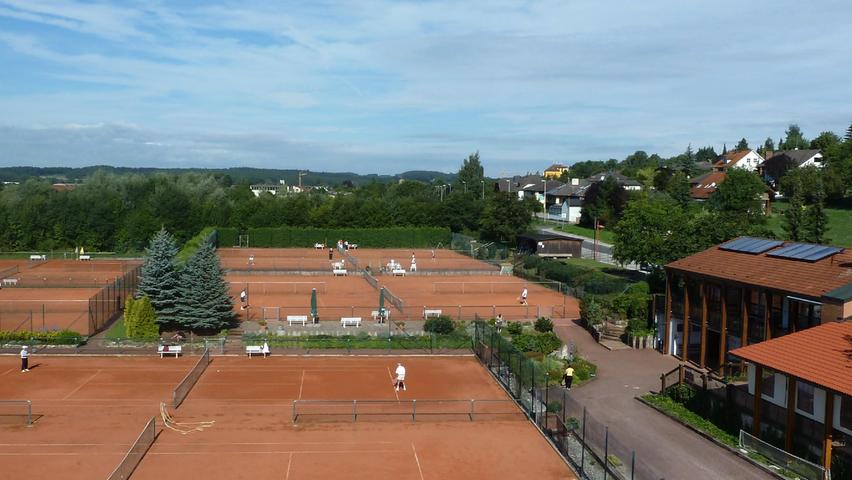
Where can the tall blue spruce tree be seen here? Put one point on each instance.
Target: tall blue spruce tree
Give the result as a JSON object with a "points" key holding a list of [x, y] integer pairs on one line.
{"points": [[204, 302], [160, 278]]}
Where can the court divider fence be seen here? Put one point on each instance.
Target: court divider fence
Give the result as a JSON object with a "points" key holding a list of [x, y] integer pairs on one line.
{"points": [[183, 388], [581, 439], [137, 451], [110, 300]]}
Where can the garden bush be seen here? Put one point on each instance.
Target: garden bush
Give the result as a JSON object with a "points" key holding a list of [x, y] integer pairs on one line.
{"points": [[514, 328], [59, 337], [537, 342], [543, 324], [591, 311], [439, 325], [413, 237]]}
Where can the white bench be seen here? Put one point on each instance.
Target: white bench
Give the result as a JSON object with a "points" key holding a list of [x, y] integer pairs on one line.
{"points": [[255, 349], [337, 266], [38, 257], [398, 272], [10, 282], [353, 246], [164, 350], [319, 246], [339, 272], [85, 257], [431, 313], [350, 321], [303, 319], [380, 316]]}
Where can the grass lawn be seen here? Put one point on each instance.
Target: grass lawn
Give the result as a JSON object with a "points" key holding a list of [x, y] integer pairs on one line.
{"points": [[839, 223], [588, 262], [116, 331], [606, 236]]}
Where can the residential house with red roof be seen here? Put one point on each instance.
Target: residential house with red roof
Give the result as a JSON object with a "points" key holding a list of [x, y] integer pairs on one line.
{"points": [[745, 159]]}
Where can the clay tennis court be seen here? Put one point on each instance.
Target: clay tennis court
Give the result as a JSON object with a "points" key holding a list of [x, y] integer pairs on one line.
{"points": [[87, 410], [254, 437], [445, 260], [282, 259], [291, 294], [466, 296], [45, 308], [116, 267]]}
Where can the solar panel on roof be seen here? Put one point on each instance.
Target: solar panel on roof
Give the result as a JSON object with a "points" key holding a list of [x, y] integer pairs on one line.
{"points": [[750, 245], [805, 251]]}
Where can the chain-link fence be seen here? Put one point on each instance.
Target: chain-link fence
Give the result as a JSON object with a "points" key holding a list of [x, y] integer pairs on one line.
{"points": [[583, 440]]}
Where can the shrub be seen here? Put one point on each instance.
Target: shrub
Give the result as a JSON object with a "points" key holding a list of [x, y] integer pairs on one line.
{"points": [[439, 325], [681, 393], [140, 320], [514, 328], [60, 337], [554, 406], [537, 342], [583, 369], [591, 311], [543, 325]]}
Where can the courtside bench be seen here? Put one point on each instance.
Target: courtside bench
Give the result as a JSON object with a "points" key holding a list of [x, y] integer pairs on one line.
{"points": [[431, 313], [38, 257], [381, 316], [399, 272], [10, 282], [255, 350], [350, 322], [164, 350], [85, 257], [339, 272], [319, 246], [303, 319]]}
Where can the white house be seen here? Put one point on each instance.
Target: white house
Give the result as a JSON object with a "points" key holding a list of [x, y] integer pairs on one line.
{"points": [[744, 159], [260, 189]]}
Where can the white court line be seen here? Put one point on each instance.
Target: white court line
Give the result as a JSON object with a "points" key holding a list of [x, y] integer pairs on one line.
{"points": [[394, 389], [266, 452], [82, 385], [7, 371], [289, 462], [301, 384], [417, 459]]}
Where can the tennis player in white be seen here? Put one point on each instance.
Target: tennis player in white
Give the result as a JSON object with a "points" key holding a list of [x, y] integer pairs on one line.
{"points": [[399, 381]]}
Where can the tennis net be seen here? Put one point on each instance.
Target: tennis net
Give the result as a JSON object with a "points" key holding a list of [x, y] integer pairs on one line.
{"points": [[137, 451], [280, 287], [394, 300], [404, 410], [185, 385], [16, 412], [490, 287], [371, 280]]}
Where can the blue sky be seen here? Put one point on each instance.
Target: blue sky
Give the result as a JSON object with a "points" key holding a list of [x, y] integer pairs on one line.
{"points": [[386, 86]]}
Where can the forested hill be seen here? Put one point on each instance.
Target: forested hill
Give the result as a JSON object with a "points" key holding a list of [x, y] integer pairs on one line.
{"points": [[237, 174]]}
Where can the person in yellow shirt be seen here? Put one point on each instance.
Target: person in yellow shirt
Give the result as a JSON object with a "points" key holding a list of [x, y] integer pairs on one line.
{"points": [[568, 377]]}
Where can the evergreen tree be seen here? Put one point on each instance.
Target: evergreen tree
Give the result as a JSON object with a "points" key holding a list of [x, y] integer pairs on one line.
{"points": [[742, 145], [768, 145], [160, 278], [204, 302], [793, 217], [816, 220], [129, 318], [724, 149], [678, 189], [848, 136], [794, 138]]}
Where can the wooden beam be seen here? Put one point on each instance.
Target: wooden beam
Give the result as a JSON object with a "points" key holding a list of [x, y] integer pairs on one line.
{"points": [[758, 394], [791, 413], [723, 331], [668, 317], [828, 423], [703, 348], [685, 354]]}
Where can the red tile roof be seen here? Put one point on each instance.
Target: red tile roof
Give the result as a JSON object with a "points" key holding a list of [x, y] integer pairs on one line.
{"points": [[812, 279], [821, 355], [705, 185], [731, 158]]}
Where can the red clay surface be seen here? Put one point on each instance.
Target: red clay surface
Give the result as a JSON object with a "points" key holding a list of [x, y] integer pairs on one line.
{"points": [[463, 296], [253, 437], [62, 308], [449, 260], [295, 259], [105, 266], [336, 296], [88, 412]]}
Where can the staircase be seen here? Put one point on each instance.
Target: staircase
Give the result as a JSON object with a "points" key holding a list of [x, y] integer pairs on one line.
{"points": [[613, 331]]}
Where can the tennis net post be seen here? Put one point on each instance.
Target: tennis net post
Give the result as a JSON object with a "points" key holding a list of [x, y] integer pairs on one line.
{"points": [[183, 388], [18, 408]]}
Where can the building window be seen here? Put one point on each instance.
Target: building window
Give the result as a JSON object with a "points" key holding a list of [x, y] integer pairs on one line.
{"points": [[805, 397], [846, 412], [767, 388]]}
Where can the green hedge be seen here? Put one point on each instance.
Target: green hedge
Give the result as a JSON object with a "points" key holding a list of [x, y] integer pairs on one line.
{"points": [[590, 280], [353, 342], [192, 245], [394, 237], [60, 337]]}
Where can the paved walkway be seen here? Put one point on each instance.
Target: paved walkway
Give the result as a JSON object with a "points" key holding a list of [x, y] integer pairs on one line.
{"points": [[671, 449]]}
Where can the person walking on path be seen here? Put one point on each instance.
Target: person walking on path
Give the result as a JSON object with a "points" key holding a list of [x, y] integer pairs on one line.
{"points": [[499, 322], [25, 359], [568, 377]]}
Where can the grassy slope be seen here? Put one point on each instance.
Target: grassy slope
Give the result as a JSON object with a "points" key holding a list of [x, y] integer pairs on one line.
{"points": [[839, 224]]}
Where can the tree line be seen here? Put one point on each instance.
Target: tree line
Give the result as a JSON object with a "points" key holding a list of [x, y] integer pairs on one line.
{"points": [[114, 212]]}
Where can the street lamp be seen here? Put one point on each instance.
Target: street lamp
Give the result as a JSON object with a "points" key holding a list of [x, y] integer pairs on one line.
{"points": [[465, 186], [483, 188]]}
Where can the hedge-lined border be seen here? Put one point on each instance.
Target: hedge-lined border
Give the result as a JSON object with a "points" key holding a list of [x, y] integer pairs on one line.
{"points": [[391, 237]]}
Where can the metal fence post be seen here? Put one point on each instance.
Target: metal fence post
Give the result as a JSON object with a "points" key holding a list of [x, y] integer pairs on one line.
{"points": [[606, 450], [414, 410], [354, 410], [633, 465], [583, 445]]}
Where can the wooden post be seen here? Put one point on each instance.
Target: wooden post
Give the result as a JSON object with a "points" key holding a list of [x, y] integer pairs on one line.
{"points": [[828, 422], [668, 316], [758, 393], [662, 383], [723, 331], [703, 347], [680, 374], [685, 354], [744, 304], [791, 413], [767, 327]]}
